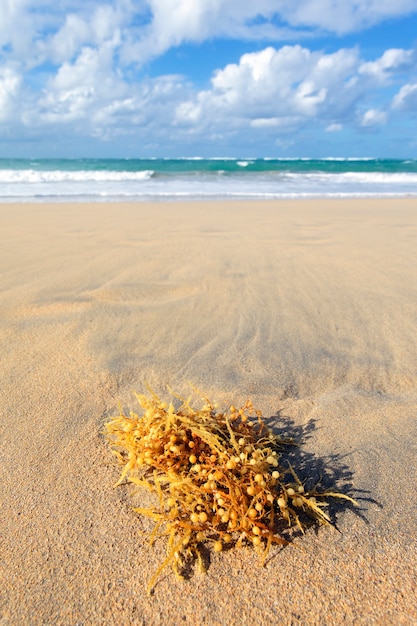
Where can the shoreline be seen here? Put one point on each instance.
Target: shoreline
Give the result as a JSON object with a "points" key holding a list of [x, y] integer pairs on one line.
{"points": [[305, 306], [177, 199]]}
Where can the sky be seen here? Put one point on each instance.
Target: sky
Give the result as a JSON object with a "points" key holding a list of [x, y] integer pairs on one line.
{"points": [[244, 78]]}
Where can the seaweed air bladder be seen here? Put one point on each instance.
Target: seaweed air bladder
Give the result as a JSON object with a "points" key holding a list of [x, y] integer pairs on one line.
{"points": [[216, 475]]}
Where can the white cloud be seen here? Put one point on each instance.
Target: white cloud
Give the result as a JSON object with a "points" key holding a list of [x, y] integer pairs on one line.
{"points": [[342, 16], [17, 30], [78, 88], [274, 122], [10, 84], [273, 84], [68, 40], [70, 65], [102, 25], [393, 61], [94, 100], [406, 99], [38, 31], [282, 90], [173, 22], [334, 128], [35, 28], [373, 118]]}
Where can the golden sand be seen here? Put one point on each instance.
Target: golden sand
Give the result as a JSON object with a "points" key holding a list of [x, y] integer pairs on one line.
{"points": [[308, 308]]}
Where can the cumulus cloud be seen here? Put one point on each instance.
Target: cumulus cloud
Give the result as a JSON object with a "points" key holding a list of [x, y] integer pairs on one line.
{"points": [[340, 16], [10, 85], [77, 87], [406, 99], [267, 86], [333, 128], [37, 29], [89, 94], [172, 22], [273, 122], [392, 62], [103, 25], [373, 118], [281, 90], [74, 63]]}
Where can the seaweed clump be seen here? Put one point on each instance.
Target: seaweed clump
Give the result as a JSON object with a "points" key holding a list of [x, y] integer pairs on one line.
{"points": [[217, 476]]}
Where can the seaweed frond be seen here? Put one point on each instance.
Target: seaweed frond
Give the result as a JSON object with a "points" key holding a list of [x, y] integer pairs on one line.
{"points": [[217, 477]]}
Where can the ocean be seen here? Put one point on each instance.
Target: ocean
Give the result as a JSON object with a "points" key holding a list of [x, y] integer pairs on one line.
{"points": [[100, 180]]}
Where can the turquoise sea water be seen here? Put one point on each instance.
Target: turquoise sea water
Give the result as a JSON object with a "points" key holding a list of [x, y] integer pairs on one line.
{"points": [[198, 178]]}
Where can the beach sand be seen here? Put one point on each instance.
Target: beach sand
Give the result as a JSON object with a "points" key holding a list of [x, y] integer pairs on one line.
{"points": [[307, 307]]}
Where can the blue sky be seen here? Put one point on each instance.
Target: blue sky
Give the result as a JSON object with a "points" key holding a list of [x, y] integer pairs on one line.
{"points": [[138, 78]]}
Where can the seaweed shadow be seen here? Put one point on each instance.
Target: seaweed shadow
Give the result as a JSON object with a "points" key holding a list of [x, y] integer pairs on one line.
{"points": [[326, 473]]}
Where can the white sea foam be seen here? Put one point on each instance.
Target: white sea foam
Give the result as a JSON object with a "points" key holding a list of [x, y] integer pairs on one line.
{"points": [[372, 178], [57, 176], [387, 178], [74, 184]]}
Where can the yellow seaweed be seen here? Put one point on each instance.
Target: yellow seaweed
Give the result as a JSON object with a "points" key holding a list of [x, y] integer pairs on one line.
{"points": [[217, 476]]}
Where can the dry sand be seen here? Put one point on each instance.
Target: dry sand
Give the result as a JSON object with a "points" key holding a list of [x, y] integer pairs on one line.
{"points": [[309, 308]]}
